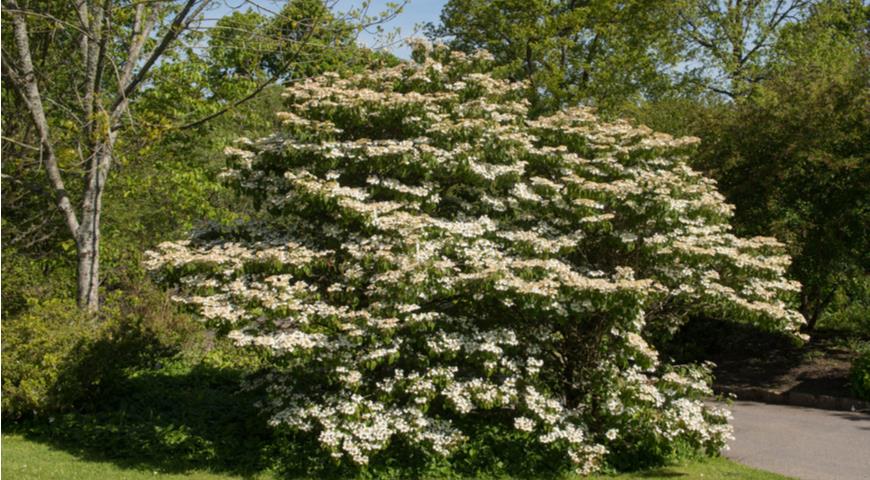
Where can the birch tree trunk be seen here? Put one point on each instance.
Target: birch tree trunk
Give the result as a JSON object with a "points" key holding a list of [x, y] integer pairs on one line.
{"points": [[88, 238], [88, 281], [118, 43], [102, 113]]}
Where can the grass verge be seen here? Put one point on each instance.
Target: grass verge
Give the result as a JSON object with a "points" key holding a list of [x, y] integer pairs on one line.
{"points": [[24, 459]]}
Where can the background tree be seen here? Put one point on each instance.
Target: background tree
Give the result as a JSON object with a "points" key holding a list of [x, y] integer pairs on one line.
{"points": [[598, 52], [79, 70], [113, 47], [777, 93], [729, 42], [793, 157]]}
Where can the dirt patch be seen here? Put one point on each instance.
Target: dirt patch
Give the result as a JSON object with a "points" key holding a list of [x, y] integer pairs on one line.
{"points": [[817, 368], [749, 358]]}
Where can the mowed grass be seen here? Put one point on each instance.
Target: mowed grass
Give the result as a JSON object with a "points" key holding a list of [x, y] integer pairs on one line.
{"points": [[23, 459]]}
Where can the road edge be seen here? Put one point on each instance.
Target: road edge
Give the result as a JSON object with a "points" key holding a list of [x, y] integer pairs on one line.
{"points": [[798, 399]]}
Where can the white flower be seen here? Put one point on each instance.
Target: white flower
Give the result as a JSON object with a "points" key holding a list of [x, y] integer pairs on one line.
{"points": [[524, 424]]}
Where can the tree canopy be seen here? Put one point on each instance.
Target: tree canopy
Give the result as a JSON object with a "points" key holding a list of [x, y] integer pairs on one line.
{"points": [[600, 53], [91, 81], [793, 155]]}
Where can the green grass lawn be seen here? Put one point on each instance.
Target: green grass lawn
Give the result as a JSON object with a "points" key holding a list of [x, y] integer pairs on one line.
{"points": [[25, 459]]}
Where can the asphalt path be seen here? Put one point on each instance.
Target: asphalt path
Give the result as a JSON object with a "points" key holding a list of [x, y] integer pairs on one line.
{"points": [[799, 442]]}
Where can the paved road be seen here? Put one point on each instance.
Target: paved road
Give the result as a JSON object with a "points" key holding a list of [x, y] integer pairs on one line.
{"points": [[801, 442]]}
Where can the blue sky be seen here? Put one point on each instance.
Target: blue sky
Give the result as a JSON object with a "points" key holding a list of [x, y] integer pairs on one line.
{"points": [[415, 12]]}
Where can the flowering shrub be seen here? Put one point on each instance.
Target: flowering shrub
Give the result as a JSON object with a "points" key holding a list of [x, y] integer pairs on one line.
{"points": [[435, 257]]}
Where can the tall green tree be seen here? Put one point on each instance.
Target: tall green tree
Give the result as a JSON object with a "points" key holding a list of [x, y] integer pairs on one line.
{"points": [[598, 52], [793, 156], [114, 48], [729, 43], [80, 71]]}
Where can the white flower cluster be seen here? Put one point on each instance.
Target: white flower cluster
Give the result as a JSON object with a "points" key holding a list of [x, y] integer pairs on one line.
{"points": [[435, 254]]}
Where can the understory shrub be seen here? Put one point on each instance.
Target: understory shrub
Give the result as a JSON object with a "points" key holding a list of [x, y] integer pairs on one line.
{"points": [[849, 311], [36, 346], [435, 267], [859, 376], [58, 358], [35, 279]]}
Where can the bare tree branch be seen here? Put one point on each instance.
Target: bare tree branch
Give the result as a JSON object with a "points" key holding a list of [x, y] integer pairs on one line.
{"points": [[26, 81], [259, 88], [103, 54], [20, 144], [92, 64], [180, 22], [141, 30]]}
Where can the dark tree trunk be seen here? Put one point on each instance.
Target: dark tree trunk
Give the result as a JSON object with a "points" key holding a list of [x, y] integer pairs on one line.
{"points": [[814, 303]]}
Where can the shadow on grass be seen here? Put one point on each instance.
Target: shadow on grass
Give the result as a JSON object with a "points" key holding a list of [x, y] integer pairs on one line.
{"points": [[164, 421], [192, 415], [661, 473], [177, 420]]}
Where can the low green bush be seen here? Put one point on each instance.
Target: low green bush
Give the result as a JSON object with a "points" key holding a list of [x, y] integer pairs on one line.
{"points": [[191, 410], [851, 319], [849, 310], [57, 358], [36, 347], [859, 377], [28, 280]]}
